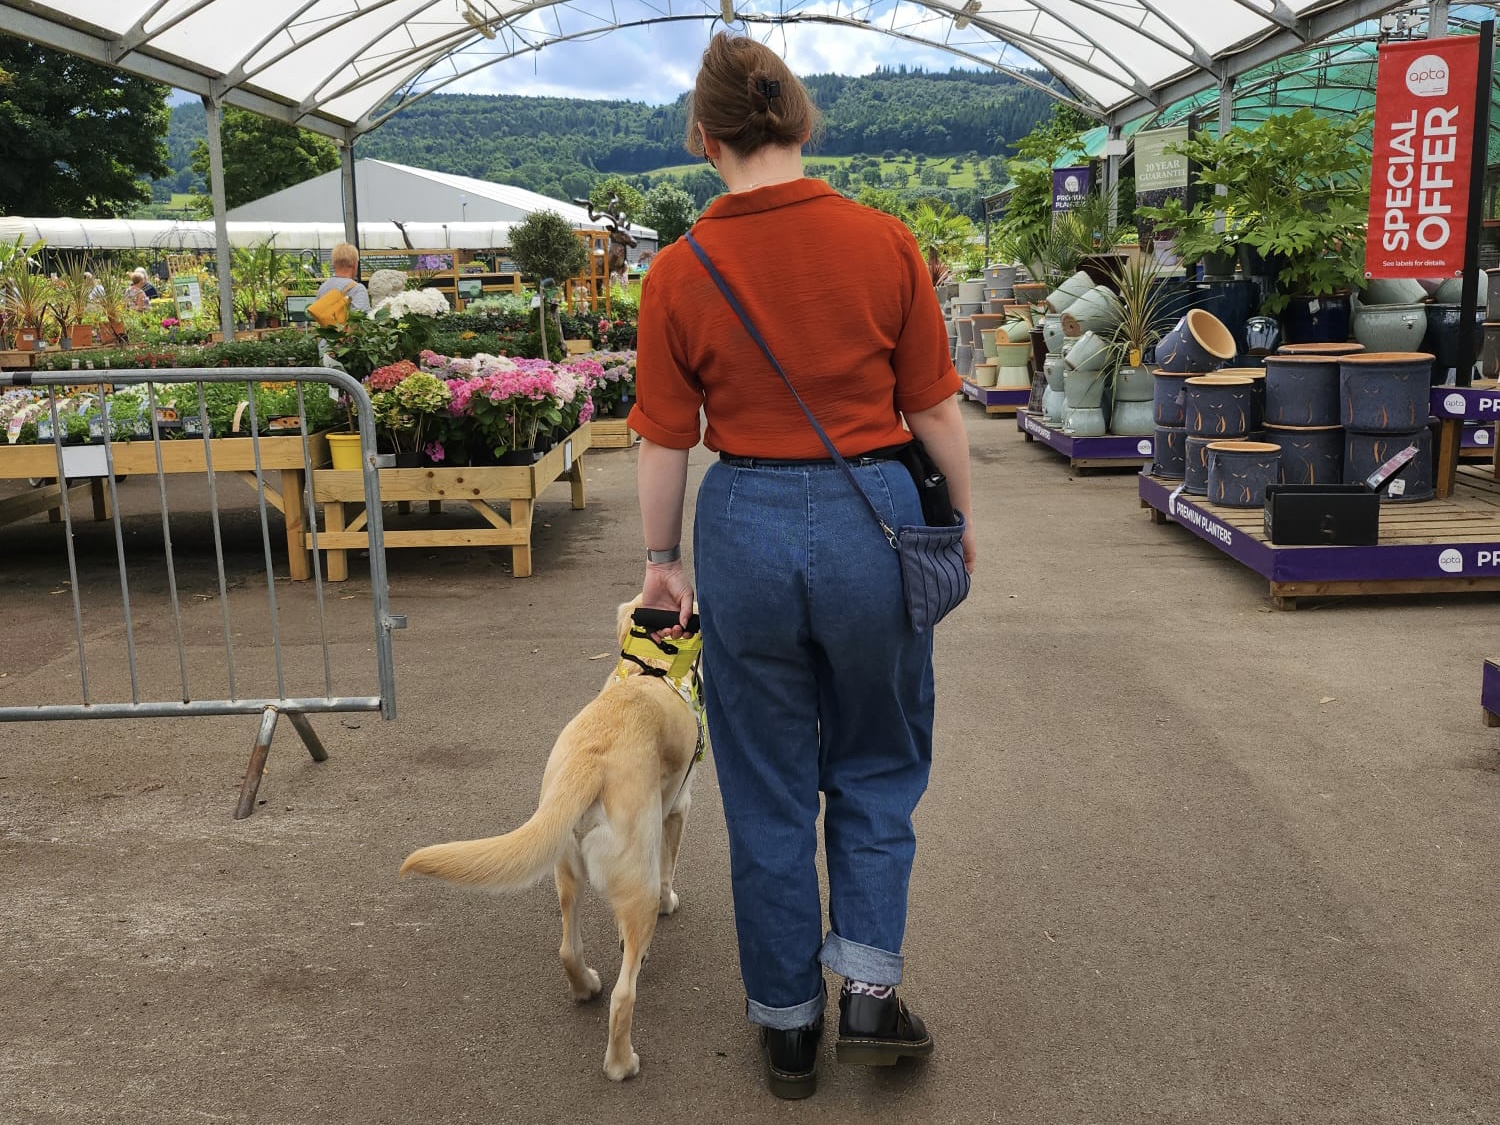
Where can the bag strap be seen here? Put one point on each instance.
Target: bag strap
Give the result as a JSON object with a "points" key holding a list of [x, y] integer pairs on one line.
{"points": [[755, 335]]}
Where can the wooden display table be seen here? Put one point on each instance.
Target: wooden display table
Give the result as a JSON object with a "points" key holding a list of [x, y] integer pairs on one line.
{"points": [[486, 489], [611, 433], [179, 455]]}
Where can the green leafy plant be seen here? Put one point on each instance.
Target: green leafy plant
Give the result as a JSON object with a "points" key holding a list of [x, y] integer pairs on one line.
{"points": [[1298, 189], [544, 245]]}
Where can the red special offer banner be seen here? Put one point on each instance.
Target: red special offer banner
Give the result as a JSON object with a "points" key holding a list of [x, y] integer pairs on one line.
{"points": [[1425, 97]]}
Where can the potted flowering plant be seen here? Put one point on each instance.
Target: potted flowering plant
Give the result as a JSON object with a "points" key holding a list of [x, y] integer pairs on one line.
{"points": [[507, 408], [407, 402]]}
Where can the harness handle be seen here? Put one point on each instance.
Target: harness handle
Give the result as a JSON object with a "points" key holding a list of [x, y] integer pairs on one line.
{"points": [[655, 620]]}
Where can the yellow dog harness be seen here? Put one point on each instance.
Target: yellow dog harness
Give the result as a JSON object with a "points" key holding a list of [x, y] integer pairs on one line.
{"points": [[681, 673]]}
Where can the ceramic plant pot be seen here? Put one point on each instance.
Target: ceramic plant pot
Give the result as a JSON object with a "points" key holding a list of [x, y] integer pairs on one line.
{"points": [[1097, 311], [1390, 328], [1392, 291], [1302, 390], [1385, 392], [1450, 292], [1169, 452], [1366, 452], [1217, 406], [1309, 454], [1238, 472], [1169, 397], [985, 374], [1262, 335], [1325, 319], [1069, 291], [1091, 353], [1198, 342], [1084, 389]]}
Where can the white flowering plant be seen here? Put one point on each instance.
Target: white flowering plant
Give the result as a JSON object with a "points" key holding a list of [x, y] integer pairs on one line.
{"points": [[415, 302], [398, 328]]}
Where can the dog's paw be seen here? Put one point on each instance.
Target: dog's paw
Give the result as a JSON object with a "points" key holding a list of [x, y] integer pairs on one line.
{"points": [[592, 987], [668, 903], [618, 1072]]}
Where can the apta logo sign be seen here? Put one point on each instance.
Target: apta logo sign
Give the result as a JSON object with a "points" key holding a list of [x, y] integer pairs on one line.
{"points": [[1427, 77]]}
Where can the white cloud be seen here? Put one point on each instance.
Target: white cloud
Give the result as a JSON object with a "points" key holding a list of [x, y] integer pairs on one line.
{"points": [[657, 63]]}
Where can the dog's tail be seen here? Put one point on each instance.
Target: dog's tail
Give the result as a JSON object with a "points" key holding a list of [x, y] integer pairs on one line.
{"points": [[521, 857]]}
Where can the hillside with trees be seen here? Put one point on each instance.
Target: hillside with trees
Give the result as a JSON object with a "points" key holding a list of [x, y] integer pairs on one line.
{"points": [[880, 130]]}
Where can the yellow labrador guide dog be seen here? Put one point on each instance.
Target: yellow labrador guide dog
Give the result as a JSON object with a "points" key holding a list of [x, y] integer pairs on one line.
{"points": [[614, 797]]}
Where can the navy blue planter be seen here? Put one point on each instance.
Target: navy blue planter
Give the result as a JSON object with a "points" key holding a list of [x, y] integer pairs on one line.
{"points": [[1302, 390], [1238, 472], [1385, 392], [1168, 397], [1195, 464], [1169, 452], [1199, 343], [1366, 452], [1442, 338], [1309, 454], [1218, 406], [1313, 320]]}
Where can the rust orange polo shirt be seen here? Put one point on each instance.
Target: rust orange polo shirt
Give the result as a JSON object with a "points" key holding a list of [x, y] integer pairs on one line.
{"points": [[841, 294]]}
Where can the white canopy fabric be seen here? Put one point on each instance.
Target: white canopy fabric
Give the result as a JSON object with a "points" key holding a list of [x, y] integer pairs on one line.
{"points": [[161, 235], [341, 67]]}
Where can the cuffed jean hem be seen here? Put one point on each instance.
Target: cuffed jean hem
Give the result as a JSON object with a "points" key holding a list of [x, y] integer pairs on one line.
{"points": [[786, 1019], [860, 962]]}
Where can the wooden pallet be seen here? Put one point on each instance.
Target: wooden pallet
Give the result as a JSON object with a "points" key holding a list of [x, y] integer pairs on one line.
{"points": [[1429, 547]]}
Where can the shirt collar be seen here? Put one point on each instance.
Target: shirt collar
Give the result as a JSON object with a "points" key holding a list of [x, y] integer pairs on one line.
{"points": [[767, 198]]}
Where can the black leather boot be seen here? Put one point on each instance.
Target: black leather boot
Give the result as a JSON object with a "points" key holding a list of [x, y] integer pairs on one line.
{"points": [[792, 1059], [876, 1031]]}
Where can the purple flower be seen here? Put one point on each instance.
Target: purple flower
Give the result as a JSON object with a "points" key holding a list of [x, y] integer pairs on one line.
{"points": [[435, 452]]}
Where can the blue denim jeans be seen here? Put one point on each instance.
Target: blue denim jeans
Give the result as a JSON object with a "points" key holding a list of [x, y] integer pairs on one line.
{"points": [[814, 681]]}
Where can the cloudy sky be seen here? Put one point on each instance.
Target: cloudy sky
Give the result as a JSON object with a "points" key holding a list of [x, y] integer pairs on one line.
{"points": [[655, 64]]}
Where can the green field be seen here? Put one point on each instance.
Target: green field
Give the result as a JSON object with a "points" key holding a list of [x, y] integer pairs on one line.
{"points": [[960, 169]]}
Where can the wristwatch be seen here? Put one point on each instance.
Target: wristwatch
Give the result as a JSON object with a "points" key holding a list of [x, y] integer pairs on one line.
{"points": [[670, 555]]}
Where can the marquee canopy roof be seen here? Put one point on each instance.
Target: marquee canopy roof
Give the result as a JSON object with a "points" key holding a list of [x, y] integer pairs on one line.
{"points": [[341, 67]]}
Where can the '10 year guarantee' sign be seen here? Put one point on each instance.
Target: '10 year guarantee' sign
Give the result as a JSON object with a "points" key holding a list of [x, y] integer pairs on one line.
{"points": [[1423, 147]]}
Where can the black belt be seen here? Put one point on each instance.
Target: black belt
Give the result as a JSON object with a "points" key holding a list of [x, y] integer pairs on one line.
{"points": [[873, 457]]}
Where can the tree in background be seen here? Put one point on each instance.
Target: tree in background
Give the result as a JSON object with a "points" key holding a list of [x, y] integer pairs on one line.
{"points": [[77, 137], [631, 200], [669, 211], [543, 245], [882, 199], [261, 156]]}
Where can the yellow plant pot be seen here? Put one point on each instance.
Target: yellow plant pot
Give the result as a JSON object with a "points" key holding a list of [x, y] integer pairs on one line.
{"points": [[345, 451]]}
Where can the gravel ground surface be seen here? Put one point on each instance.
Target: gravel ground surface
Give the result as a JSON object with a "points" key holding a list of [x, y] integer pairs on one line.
{"points": [[1184, 858]]}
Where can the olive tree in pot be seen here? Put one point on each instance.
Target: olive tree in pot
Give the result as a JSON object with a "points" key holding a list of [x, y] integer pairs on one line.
{"points": [[545, 247], [1299, 184]]}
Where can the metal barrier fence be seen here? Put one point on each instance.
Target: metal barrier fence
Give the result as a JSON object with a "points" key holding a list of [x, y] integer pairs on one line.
{"points": [[161, 440]]}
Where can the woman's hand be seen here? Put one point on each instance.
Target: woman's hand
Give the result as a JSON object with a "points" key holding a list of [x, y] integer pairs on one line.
{"points": [[667, 587]]}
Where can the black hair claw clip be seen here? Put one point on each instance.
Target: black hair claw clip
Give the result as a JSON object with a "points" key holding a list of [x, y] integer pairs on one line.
{"points": [[769, 88]]}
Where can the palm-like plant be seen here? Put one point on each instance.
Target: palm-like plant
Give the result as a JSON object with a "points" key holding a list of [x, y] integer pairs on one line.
{"points": [[942, 236], [28, 295], [1138, 281]]}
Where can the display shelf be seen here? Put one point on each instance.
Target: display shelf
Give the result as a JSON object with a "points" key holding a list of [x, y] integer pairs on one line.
{"points": [[1108, 451], [504, 497], [997, 400], [84, 467], [1432, 546]]}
